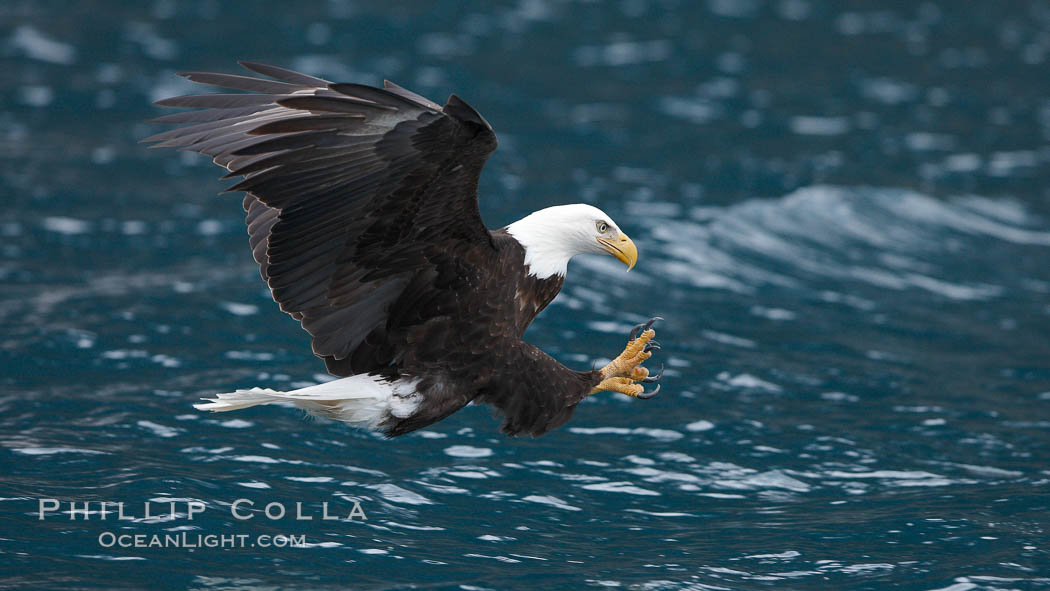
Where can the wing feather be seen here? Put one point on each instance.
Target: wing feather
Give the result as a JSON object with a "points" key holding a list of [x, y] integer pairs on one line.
{"points": [[235, 82], [306, 123], [394, 88], [354, 193], [216, 101], [284, 75], [332, 104]]}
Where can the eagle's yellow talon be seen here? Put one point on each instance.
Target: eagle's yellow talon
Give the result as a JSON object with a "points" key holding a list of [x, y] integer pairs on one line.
{"points": [[621, 373], [621, 385]]}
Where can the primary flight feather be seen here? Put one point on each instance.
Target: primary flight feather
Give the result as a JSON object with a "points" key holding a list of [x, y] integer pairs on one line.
{"points": [[362, 212]]}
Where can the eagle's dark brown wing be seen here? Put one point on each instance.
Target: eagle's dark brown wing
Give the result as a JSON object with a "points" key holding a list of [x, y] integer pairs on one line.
{"points": [[353, 194]]}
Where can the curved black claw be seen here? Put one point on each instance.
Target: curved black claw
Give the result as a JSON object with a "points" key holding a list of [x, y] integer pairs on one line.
{"points": [[635, 331], [643, 327], [651, 346], [648, 395], [656, 377]]}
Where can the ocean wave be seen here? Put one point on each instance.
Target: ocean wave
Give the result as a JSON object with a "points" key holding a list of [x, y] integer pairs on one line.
{"points": [[888, 239]]}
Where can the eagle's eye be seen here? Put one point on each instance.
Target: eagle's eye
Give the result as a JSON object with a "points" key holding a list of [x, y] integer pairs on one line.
{"points": [[602, 227]]}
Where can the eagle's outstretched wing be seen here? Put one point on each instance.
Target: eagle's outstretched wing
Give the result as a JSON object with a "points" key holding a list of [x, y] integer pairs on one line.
{"points": [[351, 192]]}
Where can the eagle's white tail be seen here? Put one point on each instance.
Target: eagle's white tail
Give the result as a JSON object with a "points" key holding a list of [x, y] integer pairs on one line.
{"points": [[361, 400]]}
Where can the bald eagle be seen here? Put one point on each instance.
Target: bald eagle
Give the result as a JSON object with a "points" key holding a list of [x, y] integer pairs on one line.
{"points": [[362, 213]]}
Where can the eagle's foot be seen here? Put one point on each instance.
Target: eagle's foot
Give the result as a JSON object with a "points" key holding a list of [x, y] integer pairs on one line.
{"points": [[621, 373], [625, 386]]}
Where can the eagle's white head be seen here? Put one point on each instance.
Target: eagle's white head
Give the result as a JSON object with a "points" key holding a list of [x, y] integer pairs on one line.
{"points": [[554, 235]]}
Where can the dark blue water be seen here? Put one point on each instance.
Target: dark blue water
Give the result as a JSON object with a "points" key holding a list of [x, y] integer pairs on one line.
{"points": [[842, 213]]}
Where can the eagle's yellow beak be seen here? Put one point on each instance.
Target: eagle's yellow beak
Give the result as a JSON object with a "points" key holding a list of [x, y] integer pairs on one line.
{"points": [[623, 249]]}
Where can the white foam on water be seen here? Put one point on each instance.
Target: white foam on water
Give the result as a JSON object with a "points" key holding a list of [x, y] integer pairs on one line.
{"points": [[468, 451], [396, 494], [66, 225], [39, 46], [621, 487]]}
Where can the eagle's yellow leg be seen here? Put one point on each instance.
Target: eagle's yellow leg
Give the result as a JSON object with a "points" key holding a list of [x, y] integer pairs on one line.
{"points": [[621, 373]]}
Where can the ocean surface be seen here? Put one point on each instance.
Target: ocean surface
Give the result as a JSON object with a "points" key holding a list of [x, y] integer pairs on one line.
{"points": [[843, 214]]}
